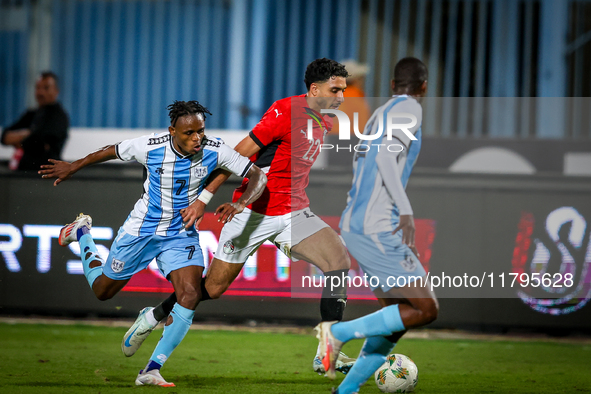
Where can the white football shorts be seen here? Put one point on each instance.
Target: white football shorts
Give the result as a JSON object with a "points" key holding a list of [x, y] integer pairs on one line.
{"points": [[248, 230]]}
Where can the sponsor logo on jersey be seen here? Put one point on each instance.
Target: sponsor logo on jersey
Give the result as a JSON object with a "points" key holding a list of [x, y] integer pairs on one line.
{"points": [[200, 172], [409, 263], [117, 265], [229, 247], [159, 140]]}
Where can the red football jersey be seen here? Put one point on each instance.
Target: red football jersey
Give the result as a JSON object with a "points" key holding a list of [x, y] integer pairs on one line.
{"points": [[286, 154]]}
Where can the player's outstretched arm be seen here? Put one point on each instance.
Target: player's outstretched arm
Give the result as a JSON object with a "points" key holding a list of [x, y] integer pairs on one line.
{"points": [[62, 170], [257, 180]]}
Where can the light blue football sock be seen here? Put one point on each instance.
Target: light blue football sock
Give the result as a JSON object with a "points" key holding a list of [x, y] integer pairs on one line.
{"points": [[87, 246], [172, 335], [373, 354], [381, 323]]}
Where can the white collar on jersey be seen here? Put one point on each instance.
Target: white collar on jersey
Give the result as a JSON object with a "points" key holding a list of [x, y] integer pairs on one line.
{"points": [[176, 152], [405, 95]]}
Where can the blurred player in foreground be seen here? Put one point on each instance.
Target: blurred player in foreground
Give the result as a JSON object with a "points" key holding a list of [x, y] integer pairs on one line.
{"points": [[278, 144], [178, 162], [372, 234]]}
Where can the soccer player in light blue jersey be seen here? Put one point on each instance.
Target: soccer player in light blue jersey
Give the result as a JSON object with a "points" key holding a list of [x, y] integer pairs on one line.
{"points": [[178, 163], [378, 228]]}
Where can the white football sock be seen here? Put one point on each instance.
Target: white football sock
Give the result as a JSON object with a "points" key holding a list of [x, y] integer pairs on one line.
{"points": [[150, 317]]}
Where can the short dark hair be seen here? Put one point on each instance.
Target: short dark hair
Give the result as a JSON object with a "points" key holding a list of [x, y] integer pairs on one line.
{"points": [[183, 108], [410, 73], [49, 74], [321, 70]]}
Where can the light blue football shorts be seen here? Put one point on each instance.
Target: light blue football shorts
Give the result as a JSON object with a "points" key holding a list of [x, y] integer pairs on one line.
{"points": [[130, 254], [383, 256]]}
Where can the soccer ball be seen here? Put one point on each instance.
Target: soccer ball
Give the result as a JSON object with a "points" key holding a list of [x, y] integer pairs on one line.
{"points": [[399, 374]]}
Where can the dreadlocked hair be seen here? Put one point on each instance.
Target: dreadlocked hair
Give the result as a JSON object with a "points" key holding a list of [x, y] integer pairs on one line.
{"points": [[183, 108]]}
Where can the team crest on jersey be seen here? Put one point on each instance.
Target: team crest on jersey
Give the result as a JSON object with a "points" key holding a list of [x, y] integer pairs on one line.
{"points": [[200, 172], [409, 263], [117, 265], [229, 247]]}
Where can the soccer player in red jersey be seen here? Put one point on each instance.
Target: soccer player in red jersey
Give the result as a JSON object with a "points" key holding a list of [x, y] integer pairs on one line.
{"points": [[280, 146]]}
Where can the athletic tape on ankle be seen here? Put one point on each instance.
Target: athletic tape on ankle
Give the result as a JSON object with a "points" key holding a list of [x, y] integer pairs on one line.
{"points": [[205, 196]]}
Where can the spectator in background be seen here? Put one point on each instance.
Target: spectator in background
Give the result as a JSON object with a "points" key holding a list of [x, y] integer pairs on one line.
{"points": [[355, 88], [39, 134]]}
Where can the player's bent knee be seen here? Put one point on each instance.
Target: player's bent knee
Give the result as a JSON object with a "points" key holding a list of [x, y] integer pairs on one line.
{"points": [[103, 297], [188, 298], [103, 294], [345, 262], [104, 288], [216, 292], [339, 260], [430, 312], [101, 291]]}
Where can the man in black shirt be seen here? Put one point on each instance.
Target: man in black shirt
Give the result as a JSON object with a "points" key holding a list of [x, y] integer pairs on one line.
{"points": [[40, 133]]}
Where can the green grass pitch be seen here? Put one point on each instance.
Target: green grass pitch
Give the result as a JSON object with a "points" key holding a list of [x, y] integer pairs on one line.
{"points": [[87, 359]]}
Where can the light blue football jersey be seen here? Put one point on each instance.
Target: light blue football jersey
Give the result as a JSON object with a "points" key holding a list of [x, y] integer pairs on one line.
{"points": [[173, 181], [370, 207]]}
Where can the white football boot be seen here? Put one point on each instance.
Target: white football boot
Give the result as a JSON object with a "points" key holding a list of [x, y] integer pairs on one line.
{"points": [[152, 378], [137, 333], [343, 365], [330, 348], [69, 233]]}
